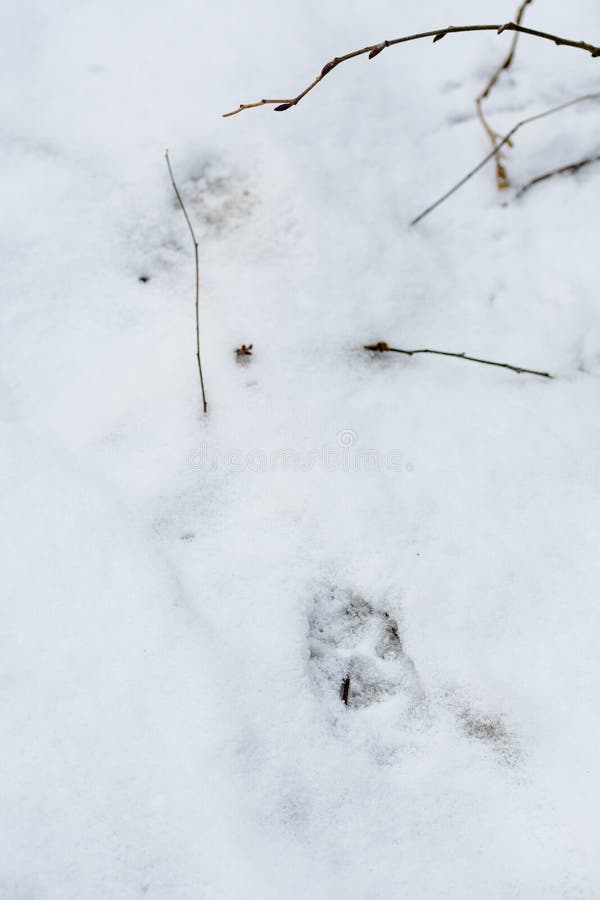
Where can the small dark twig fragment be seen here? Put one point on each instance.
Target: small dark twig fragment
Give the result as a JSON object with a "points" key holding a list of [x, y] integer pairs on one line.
{"points": [[382, 347], [243, 350], [345, 690]]}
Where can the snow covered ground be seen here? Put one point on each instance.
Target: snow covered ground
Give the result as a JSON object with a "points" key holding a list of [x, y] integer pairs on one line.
{"points": [[180, 607]]}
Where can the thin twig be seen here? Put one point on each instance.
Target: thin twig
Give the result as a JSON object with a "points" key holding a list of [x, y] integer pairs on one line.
{"points": [[382, 347], [505, 140], [345, 690], [501, 176], [437, 34], [571, 169], [189, 224]]}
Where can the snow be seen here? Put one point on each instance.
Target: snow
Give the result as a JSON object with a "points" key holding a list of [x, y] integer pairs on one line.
{"points": [[180, 606]]}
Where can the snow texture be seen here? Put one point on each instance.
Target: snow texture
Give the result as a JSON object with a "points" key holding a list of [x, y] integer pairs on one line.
{"points": [[185, 596]]}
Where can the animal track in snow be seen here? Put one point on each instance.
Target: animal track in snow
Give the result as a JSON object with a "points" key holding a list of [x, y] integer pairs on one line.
{"points": [[219, 196], [351, 638], [491, 731], [357, 658]]}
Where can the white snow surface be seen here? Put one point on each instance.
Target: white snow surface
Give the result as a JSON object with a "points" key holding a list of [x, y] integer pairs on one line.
{"points": [[178, 609]]}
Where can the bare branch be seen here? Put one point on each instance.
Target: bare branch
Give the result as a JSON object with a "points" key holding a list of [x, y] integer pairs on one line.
{"points": [[382, 347], [437, 34], [505, 140], [570, 169], [501, 176], [195, 242]]}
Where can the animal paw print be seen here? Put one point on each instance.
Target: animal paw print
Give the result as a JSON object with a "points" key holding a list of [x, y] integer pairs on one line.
{"points": [[356, 651], [220, 196]]}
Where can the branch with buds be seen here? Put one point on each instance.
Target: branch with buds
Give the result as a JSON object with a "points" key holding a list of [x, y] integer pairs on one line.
{"points": [[281, 105], [382, 347]]}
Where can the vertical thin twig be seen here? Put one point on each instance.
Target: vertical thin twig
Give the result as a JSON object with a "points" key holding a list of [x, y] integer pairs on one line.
{"points": [[502, 180], [195, 242], [345, 690]]}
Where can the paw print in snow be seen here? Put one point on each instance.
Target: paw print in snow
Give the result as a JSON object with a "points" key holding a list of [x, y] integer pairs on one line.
{"points": [[356, 651]]}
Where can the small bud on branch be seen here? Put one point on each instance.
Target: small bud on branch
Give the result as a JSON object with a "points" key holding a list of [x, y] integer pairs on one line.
{"points": [[376, 51], [328, 67]]}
